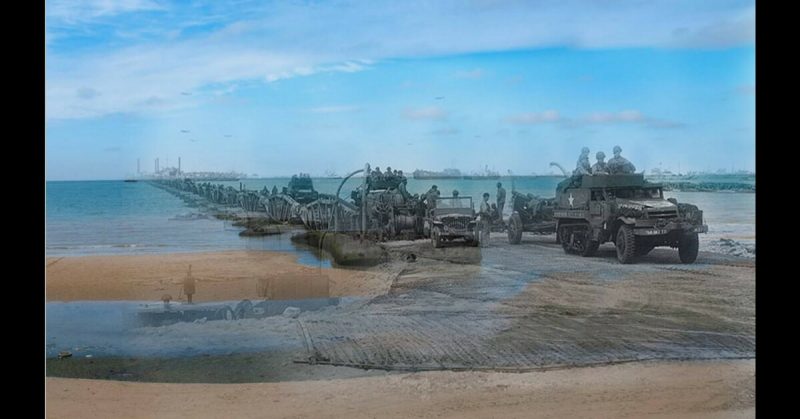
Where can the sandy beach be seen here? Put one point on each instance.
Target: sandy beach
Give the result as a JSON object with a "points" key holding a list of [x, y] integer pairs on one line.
{"points": [[220, 276], [252, 385], [707, 389]]}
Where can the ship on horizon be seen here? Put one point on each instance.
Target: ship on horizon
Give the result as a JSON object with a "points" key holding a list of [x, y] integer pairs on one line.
{"points": [[444, 174], [455, 174]]}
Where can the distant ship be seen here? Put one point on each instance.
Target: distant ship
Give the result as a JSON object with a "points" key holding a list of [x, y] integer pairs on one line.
{"points": [[330, 174], [487, 174], [444, 174]]}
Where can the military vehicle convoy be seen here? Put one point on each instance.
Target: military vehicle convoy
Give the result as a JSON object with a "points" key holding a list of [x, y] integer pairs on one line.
{"points": [[627, 210]]}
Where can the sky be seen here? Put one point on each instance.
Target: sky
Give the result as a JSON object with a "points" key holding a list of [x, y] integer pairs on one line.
{"points": [[276, 88]]}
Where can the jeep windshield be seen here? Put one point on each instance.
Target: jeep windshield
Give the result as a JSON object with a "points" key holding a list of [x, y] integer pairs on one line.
{"points": [[454, 202]]}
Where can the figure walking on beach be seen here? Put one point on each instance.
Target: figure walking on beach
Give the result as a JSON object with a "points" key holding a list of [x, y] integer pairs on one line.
{"points": [[189, 285], [486, 221], [501, 201]]}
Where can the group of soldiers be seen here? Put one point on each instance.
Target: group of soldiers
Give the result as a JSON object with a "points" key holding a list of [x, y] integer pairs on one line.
{"points": [[390, 176], [615, 165]]}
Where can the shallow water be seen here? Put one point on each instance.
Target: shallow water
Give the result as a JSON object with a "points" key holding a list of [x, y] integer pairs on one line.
{"points": [[115, 328]]}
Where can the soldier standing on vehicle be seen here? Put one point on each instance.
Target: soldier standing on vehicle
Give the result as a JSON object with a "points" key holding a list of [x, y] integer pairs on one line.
{"points": [[619, 164], [430, 197], [601, 167], [501, 200], [457, 200], [189, 285], [583, 167], [486, 220]]}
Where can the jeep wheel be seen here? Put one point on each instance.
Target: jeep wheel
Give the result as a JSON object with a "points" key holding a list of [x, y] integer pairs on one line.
{"points": [[688, 247], [514, 229], [626, 244], [591, 248], [436, 237]]}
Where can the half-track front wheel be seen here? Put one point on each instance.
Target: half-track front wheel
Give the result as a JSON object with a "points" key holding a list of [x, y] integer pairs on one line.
{"points": [[514, 229], [688, 247], [626, 244]]}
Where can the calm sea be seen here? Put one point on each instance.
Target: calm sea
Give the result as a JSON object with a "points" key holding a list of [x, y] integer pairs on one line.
{"points": [[115, 217]]}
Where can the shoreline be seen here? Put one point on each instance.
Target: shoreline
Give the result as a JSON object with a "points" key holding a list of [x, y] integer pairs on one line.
{"points": [[220, 276]]}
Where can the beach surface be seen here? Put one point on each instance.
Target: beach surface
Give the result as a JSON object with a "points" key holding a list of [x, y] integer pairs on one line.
{"points": [[707, 389], [219, 276]]}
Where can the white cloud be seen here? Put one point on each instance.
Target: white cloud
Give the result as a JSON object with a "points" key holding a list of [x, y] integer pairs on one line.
{"points": [[75, 11], [471, 74], [530, 118], [433, 112], [447, 131], [628, 116], [596, 118], [611, 117], [747, 89], [334, 109], [196, 45]]}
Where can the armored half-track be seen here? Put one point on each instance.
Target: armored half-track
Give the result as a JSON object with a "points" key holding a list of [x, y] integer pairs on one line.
{"points": [[627, 210]]}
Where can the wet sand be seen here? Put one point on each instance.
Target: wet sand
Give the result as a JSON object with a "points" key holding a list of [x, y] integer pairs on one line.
{"points": [[220, 276], [705, 389]]}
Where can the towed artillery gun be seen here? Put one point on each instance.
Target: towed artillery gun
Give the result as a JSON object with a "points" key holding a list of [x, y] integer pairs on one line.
{"points": [[627, 210], [530, 213]]}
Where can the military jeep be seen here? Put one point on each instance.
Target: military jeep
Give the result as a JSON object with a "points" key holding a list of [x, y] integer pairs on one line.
{"points": [[627, 210], [453, 218]]}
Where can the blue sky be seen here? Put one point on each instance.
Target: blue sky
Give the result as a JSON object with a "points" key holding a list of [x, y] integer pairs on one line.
{"points": [[275, 88]]}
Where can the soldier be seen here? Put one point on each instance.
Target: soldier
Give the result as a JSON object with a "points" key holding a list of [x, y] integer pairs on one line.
{"points": [[274, 190], [601, 167], [583, 167], [189, 285], [485, 222], [430, 197], [501, 200], [457, 200], [619, 164]]}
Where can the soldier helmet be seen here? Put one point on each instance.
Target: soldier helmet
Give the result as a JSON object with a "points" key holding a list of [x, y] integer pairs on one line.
{"points": [[499, 185], [585, 150], [455, 192], [486, 194], [617, 149], [434, 187], [600, 155]]}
